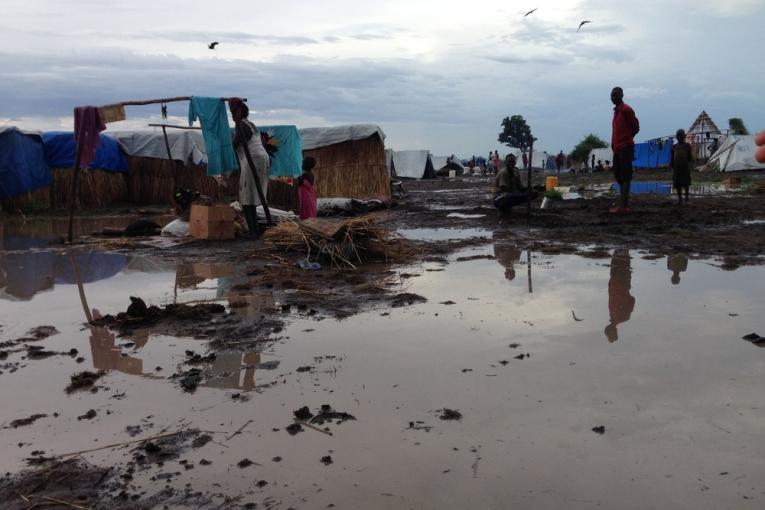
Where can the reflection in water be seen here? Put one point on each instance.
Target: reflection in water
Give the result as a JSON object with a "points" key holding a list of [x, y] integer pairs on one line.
{"points": [[507, 255], [108, 356], [620, 301], [226, 371], [188, 275], [677, 264]]}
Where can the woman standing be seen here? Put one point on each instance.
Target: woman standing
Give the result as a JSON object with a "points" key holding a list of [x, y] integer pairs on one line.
{"points": [[247, 133]]}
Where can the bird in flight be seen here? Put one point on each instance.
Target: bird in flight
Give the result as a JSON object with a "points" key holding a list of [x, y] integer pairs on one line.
{"points": [[583, 23], [212, 45], [530, 12]]}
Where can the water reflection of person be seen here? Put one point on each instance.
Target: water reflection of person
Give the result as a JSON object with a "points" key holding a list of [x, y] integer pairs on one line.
{"points": [[677, 264], [620, 301], [507, 255]]}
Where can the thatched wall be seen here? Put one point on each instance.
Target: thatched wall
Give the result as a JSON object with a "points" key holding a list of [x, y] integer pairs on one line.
{"points": [[153, 181], [354, 169]]}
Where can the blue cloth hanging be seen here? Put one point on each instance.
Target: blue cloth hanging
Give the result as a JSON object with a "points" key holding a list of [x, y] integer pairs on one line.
{"points": [[211, 112], [288, 159]]}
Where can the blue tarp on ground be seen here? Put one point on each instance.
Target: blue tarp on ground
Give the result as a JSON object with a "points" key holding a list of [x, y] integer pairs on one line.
{"points": [[652, 154], [288, 160], [60, 151], [22, 163]]}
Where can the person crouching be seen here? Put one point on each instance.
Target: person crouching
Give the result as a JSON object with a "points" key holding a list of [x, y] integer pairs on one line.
{"points": [[508, 190]]}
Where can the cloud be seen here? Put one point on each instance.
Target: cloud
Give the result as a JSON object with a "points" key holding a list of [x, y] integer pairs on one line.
{"points": [[643, 92]]}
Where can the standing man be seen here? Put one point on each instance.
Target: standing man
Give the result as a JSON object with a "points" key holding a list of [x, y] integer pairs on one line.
{"points": [[525, 160], [559, 160], [623, 130]]}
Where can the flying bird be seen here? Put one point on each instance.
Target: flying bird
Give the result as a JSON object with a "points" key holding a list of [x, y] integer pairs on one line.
{"points": [[531, 11], [212, 45], [583, 23]]}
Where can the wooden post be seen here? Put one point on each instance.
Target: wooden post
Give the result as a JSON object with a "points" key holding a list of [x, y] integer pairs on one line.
{"points": [[251, 164], [528, 178], [167, 143], [73, 193], [528, 264]]}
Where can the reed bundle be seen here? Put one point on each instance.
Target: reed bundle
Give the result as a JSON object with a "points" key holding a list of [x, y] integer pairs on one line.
{"points": [[344, 243]]}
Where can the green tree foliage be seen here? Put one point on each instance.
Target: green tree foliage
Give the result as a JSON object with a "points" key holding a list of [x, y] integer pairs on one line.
{"points": [[516, 133], [583, 148], [737, 126]]}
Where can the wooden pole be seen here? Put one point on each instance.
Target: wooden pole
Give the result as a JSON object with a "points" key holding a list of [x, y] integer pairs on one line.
{"points": [[73, 193], [167, 144], [145, 102], [81, 289], [191, 128], [240, 130], [528, 265], [528, 178]]}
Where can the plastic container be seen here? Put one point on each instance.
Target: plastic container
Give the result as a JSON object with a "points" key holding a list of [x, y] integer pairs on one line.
{"points": [[551, 182]]}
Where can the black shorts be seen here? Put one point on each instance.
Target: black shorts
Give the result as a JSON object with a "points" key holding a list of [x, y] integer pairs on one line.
{"points": [[623, 164]]}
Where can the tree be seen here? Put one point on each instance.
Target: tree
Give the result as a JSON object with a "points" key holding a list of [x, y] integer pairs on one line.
{"points": [[516, 133], [737, 126], [582, 150]]}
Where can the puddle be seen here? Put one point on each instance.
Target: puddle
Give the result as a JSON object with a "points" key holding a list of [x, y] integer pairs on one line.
{"points": [[442, 234], [649, 349], [465, 216], [754, 222]]}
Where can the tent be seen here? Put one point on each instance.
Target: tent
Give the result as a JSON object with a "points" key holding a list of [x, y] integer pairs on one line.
{"points": [[414, 164], [601, 155], [703, 135], [350, 160], [186, 145], [22, 162], [652, 154], [736, 153], [60, 150]]}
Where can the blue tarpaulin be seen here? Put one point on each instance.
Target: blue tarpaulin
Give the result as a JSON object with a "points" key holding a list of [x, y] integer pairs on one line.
{"points": [[22, 163], [288, 160], [60, 151], [652, 154]]}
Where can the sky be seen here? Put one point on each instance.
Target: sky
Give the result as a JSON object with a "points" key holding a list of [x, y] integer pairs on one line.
{"points": [[437, 75]]}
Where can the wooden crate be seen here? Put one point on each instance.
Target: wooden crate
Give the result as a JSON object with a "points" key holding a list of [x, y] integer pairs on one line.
{"points": [[212, 222]]}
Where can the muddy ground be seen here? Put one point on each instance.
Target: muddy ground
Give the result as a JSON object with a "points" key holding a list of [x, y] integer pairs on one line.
{"points": [[725, 228]]}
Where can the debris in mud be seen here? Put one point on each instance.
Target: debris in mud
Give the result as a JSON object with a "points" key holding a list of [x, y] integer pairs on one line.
{"points": [[326, 460], [328, 414], [245, 463], [514, 346], [450, 414], [303, 414], [448, 303], [599, 429], [466, 370], [39, 352], [521, 356], [754, 338], [204, 462], [406, 299], [190, 379], [476, 257], [503, 362], [276, 459], [138, 315], [83, 380], [200, 441], [133, 430], [304, 369], [42, 332], [197, 359], [294, 429], [419, 425], [88, 416], [23, 422], [577, 319]]}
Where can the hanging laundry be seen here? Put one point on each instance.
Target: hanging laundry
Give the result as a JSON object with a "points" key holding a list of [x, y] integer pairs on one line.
{"points": [[211, 112], [87, 126]]}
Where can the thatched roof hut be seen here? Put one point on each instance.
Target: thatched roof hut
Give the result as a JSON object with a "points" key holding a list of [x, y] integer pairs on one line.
{"points": [[350, 160]]}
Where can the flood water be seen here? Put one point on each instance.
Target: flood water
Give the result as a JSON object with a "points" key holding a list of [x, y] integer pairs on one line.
{"points": [[650, 349]]}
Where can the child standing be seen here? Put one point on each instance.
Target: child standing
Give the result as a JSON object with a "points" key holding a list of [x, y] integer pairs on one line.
{"points": [[306, 191], [682, 160]]}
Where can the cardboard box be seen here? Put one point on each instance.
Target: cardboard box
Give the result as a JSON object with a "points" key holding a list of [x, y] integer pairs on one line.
{"points": [[212, 222]]}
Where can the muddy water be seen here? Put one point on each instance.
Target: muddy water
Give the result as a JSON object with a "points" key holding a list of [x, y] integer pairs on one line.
{"points": [[649, 349]]}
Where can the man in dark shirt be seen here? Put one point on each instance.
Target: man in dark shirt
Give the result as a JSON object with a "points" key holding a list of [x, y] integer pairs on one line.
{"points": [[625, 126]]}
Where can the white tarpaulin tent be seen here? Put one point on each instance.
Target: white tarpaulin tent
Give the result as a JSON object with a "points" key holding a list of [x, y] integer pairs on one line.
{"points": [[439, 162], [313, 138], [601, 155], [389, 159], [185, 145], [413, 164], [736, 153]]}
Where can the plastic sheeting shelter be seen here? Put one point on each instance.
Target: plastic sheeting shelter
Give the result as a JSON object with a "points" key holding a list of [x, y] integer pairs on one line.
{"points": [[602, 155], [736, 153], [22, 163], [652, 154], [60, 151], [186, 145], [414, 164]]}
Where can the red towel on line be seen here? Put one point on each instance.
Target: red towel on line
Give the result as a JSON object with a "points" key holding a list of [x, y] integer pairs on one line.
{"points": [[87, 129]]}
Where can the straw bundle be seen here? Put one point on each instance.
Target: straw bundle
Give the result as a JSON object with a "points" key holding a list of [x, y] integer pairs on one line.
{"points": [[353, 169], [344, 243]]}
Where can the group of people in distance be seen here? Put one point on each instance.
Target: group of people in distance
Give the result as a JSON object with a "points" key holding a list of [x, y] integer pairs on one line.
{"points": [[508, 191]]}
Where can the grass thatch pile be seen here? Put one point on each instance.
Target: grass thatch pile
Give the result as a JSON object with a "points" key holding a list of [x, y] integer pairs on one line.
{"points": [[344, 243], [353, 169]]}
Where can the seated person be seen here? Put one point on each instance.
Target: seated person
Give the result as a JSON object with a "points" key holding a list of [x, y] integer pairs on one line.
{"points": [[607, 166], [508, 190], [599, 167]]}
